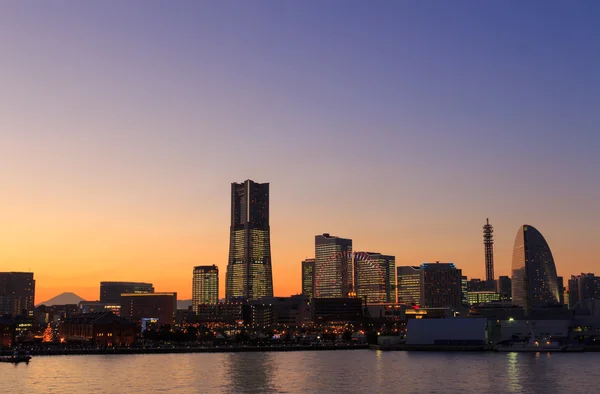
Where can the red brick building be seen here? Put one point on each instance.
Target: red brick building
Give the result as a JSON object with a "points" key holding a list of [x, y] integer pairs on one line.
{"points": [[101, 328]]}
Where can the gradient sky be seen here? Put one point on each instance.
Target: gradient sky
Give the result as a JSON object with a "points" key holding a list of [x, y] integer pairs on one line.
{"points": [[399, 124]]}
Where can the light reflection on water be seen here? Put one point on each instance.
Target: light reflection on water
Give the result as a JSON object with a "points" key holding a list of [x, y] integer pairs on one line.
{"points": [[343, 371]]}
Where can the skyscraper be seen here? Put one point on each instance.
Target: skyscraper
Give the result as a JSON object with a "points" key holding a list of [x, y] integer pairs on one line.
{"points": [[534, 280], [581, 288], [441, 285], [205, 285], [110, 292], [308, 277], [333, 266], [409, 285], [17, 293], [374, 277], [488, 246], [249, 274]]}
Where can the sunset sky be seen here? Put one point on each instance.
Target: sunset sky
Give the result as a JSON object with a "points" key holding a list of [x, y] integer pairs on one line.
{"points": [[400, 124]]}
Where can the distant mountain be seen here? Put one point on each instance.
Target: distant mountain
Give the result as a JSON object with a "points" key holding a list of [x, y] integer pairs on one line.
{"points": [[184, 304], [63, 299]]}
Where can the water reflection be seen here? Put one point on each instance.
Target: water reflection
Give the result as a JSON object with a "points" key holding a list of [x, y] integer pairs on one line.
{"points": [[250, 372], [512, 370]]}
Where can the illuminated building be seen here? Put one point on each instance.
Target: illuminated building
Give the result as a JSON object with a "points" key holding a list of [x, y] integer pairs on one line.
{"points": [[441, 285], [249, 274], [100, 328], [17, 293], [162, 306], [465, 291], [374, 277], [333, 266], [205, 285], [409, 285], [110, 292], [308, 277], [91, 307], [482, 297], [534, 280], [583, 287]]}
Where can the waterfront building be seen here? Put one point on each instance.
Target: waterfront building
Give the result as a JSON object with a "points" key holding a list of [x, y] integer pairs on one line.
{"points": [[308, 277], [104, 329], [225, 312], [158, 306], [583, 287], [337, 309], [483, 297], [292, 311], [441, 285], [249, 273], [17, 293], [534, 279], [504, 288], [374, 277], [333, 266], [205, 285], [110, 292], [409, 285]]}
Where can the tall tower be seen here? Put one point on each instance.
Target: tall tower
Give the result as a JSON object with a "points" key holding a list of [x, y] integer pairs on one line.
{"points": [[205, 285], [249, 275], [488, 244], [333, 266]]}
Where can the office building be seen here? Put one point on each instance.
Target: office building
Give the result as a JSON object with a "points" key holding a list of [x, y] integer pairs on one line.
{"points": [[337, 309], [249, 273], [561, 290], [441, 285], [110, 292], [534, 279], [158, 306], [409, 285], [308, 278], [465, 290], [103, 329], [482, 297], [583, 287], [475, 284], [374, 277], [205, 285], [17, 293], [333, 266], [504, 288]]}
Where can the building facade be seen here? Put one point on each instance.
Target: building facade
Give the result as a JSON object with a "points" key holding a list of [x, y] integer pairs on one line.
{"points": [[101, 328], [205, 285], [249, 273], [534, 279], [308, 277], [504, 288], [441, 285], [583, 287], [409, 285], [333, 266], [337, 309], [374, 277], [160, 306], [17, 293], [482, 297], [110, 292]]}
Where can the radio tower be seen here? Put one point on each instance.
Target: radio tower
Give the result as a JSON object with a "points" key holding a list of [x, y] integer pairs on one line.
{"points": [[488, 244]]}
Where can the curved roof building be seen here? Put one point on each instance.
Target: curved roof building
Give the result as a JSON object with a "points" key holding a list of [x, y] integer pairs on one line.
{"points": [[534, 280]]}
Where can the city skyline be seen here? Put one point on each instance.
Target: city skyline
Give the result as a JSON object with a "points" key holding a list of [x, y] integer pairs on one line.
{"points": [[401, 126]]}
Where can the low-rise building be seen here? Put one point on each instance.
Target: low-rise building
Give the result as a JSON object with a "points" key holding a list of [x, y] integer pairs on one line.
{"points": [[100, 328]]}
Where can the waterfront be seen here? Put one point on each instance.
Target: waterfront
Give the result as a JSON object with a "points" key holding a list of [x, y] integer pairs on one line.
{"points": [[307, 372]]}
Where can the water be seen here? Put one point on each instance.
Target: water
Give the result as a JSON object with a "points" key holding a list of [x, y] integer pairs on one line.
{"points": [[342, 371]]}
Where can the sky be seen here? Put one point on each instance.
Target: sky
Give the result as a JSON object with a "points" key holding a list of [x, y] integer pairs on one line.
{"points": [[400, 124]]}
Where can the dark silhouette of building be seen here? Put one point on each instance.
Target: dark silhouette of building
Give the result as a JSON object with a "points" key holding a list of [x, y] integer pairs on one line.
{"points": [[561, 290], [100, 328], [583, 287], [504, 288], [7, 332], [409, 285], [337, 309], [374, 277], [308, 277], [333, 266], [488, 245], [161, 306], [475, 284], [17, 293], [205, 285], [110, 292], [441, 285], [534, 280], [249, 273]]}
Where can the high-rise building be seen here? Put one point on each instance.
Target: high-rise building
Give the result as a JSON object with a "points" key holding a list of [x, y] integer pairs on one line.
{"points": [[205, 285], [17, 293], [465, 289], [333, 266], [488, 245], [110, 292], [159, 306], [308, 278], [249, 273], [583, 287], [409, 285], [561, 290], [441, 285], [534, 280], [504, 288], [374, 277]]}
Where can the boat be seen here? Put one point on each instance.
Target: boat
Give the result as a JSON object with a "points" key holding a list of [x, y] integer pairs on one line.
{"points": [[16, 358], [532, 345]]}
